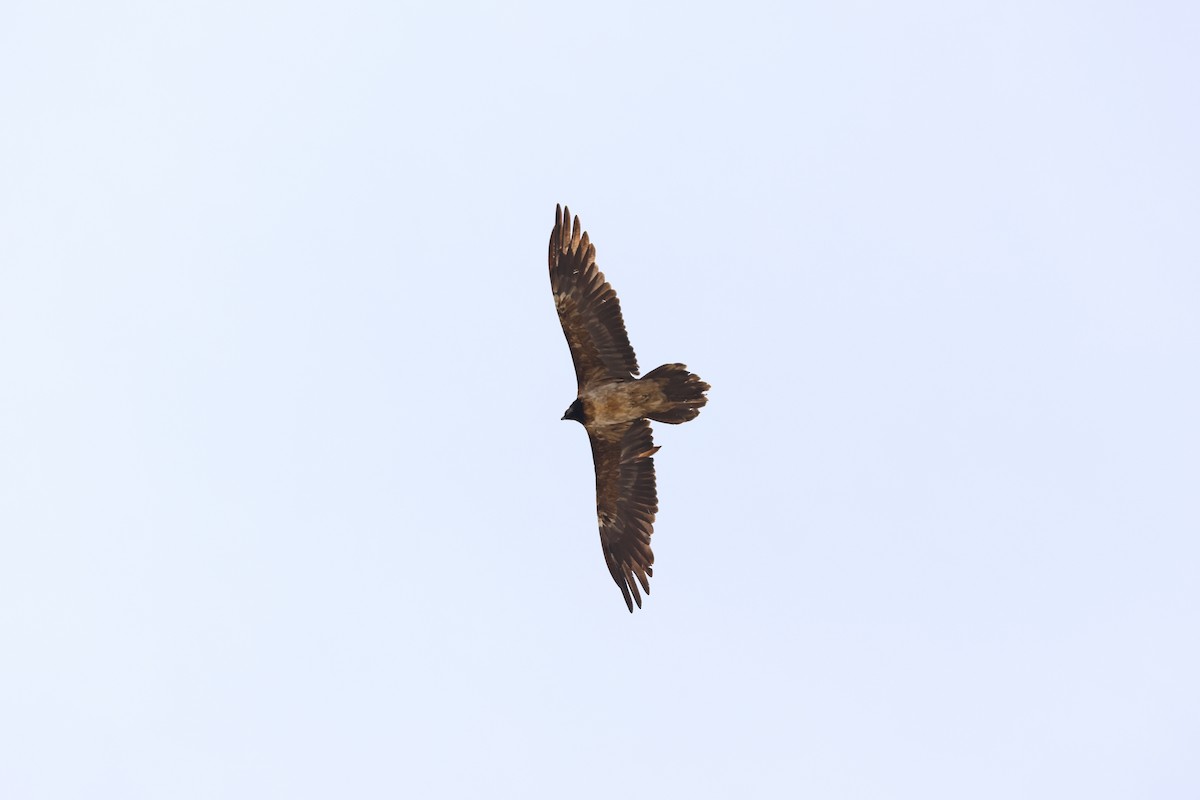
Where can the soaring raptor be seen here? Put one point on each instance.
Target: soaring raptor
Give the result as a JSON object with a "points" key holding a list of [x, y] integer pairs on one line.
{"points": [[614, 405]]}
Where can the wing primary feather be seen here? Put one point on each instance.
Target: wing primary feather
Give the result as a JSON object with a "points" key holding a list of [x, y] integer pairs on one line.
{"points": [[615, 571], [634, 588]]}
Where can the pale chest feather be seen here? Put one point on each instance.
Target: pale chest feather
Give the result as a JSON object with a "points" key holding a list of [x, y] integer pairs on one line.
{"points": [[622, 402]]}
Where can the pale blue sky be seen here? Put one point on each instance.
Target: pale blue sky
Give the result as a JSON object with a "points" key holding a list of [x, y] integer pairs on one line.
{"points": [[286, 507]]}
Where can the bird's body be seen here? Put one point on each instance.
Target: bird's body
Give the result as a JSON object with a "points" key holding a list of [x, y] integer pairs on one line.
{"points": [[620, 402], [615, 406]]}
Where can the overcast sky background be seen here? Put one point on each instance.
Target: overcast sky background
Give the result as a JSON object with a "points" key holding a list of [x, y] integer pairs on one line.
{"points": [[286, 506]]}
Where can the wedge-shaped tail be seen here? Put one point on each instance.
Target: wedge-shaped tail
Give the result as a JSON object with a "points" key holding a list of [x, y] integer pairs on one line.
{"points": [[683, 390]]}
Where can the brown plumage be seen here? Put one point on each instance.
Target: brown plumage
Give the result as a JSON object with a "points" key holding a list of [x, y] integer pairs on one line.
{"points": [[614, 405]]}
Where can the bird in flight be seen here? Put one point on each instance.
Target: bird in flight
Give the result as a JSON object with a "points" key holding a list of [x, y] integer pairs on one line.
{"points": [[614, 405]]}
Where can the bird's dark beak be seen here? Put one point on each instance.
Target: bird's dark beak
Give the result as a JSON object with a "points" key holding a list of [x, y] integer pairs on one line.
{"points": [[568, 411]]}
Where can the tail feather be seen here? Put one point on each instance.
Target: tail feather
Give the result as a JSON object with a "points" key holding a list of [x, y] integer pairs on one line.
{"points": [[683, 390]]}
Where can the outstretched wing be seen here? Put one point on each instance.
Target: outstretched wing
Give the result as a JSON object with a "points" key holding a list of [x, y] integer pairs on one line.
{"points": [[626, 502], [587, 307]]}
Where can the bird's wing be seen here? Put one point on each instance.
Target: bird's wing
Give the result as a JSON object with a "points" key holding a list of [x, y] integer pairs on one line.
{"points": [[626, 502], [587, 307]]}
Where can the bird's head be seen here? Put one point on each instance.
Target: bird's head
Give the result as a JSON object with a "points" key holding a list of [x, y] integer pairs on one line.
{"points": [[575, 412]]}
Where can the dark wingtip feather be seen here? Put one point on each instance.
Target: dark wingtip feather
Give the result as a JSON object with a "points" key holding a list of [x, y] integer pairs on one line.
{"points": [[556, 237]]}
